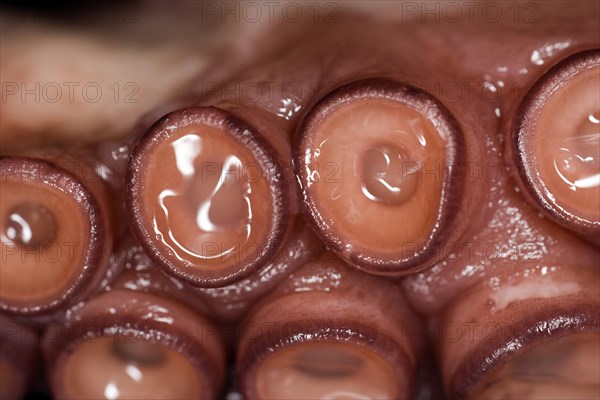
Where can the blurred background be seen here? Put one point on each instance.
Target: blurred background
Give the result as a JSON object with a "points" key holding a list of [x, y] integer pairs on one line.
{"points": [[78, 72]]}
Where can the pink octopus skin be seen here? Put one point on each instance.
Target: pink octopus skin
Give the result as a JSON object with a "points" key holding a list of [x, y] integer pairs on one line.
{"points": [[74, 173], [505, 239], [505, 263], [326, 301], [145, 305], [136, 271]]}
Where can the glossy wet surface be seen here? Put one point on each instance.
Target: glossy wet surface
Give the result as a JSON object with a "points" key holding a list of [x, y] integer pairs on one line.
{"points": [[129, 369], [567, 145], [375, 166], [42, 253], [480, 69], [31, 225], [326, 371], [206, 198], [567, 368]]}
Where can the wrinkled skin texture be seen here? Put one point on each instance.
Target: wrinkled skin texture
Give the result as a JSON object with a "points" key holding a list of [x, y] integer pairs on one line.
{"points": [[479, 70]]}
